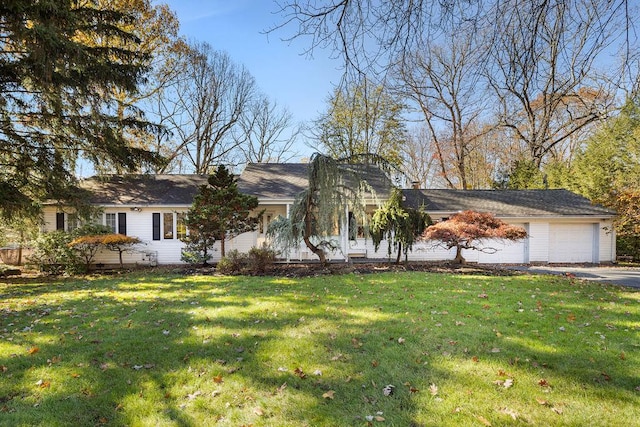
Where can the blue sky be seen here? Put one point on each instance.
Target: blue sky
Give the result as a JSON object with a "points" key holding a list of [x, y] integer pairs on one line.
{"points": [[281, 69]]}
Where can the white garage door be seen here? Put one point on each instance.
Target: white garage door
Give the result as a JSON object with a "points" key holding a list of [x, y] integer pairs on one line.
{"points": [[571, 243]]}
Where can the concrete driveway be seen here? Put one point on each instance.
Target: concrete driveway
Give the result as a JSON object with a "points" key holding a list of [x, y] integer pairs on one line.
{"points": [[624, 276]]}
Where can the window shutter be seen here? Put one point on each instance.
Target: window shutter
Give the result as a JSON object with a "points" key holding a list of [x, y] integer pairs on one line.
{"points": [[122, 223], [60, 221], [156, 226]]}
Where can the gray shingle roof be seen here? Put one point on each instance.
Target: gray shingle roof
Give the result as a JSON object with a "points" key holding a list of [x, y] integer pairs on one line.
{"points": [[287, 180], [143, 190], [273, 180], [506, 203]]}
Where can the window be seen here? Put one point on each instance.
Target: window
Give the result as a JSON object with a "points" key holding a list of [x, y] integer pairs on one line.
{"points": [[67, 222], [116, 222], [181, 226], [110, 221], [168, 225], [72, 222]]}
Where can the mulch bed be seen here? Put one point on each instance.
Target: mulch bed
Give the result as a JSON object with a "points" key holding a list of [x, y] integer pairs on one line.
{"points": [[312, 269]]}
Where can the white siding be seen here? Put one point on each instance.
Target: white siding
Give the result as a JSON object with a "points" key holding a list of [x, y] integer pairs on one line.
{"points": [[607, 242], [555, 241]]}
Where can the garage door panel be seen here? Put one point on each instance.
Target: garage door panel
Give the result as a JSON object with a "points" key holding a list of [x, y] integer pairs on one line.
{"points": [[570, 243]]}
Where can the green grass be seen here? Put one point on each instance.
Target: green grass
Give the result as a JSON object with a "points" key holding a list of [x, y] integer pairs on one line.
{"points": [[171, 350]]}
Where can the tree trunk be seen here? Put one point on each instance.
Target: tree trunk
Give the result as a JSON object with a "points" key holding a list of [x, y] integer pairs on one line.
{"points": [[399, 254], [307, 240], [459, 259], [205, 252]]}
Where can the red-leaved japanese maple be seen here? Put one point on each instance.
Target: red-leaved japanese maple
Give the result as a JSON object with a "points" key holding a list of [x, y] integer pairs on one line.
{"points": [[471, 230]]}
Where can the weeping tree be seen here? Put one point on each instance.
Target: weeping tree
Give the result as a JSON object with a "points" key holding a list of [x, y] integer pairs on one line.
{"points": [[400, 226], [319, 210]]}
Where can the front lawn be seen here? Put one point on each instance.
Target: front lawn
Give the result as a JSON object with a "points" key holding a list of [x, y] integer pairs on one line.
{"points": [[238, 351]]}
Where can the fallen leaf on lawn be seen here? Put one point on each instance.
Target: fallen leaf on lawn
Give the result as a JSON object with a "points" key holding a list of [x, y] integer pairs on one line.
{"points": [[504, 383], [329, 394], [388, 390], [483, 295], [495, 350], [543, 383], [483, 420], [282, 369], [557, 410], [193, 395], [413, 390], [300, 373], [356, 343], [43, 384], [475, 359], [137, 367], [401, 340], [374, 363], [258, 411], [33, 350], [218, 379], [75, 375], [542, 402], [317, 373], [605, 376], [379, 418], [433, 389]]}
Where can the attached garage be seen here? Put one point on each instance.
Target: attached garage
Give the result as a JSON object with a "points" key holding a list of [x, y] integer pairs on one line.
{"points": [[563, 227], [573, 243]]}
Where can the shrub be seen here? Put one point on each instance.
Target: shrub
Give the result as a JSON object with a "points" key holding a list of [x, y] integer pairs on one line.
{"points": [[194, 256], [224, 266], [233, 262], [255, 261], [53, 255], [260, 258]]}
